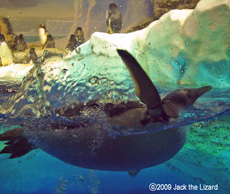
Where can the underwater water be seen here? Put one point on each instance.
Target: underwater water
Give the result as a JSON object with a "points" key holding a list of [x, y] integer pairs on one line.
{"points": [[204, 159]]}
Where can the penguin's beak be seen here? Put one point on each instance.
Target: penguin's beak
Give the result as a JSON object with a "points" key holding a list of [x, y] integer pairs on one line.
{"points": [[196, 93]]}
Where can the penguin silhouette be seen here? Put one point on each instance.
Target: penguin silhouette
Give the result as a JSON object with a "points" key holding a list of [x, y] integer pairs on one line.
{"points": [[33, 55], [79, 35], [20, 43], [50, 43], [113, 19], [72, 43]]}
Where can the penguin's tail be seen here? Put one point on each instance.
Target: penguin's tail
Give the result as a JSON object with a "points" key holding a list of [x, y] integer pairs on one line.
{"points": [[16, 144]]}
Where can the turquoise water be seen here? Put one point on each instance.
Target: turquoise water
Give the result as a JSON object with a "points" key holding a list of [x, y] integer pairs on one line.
{"points": [[201, 162], [204, 159]]}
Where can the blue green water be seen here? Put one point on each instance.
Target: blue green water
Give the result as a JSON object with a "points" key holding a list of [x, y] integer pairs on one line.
{"points": [[197, 163], [204, 159]]}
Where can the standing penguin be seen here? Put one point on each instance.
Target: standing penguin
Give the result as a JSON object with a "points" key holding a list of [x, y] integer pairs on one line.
{"points": [[33, 55], [113, 19], [50, 42], [79, 35], [72, 43], [6, 54], [45, 38], [42, 34], [20, 43]]}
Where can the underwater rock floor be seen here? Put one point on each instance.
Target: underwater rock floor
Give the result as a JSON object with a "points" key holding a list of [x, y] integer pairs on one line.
{"points": [[203, 160]]}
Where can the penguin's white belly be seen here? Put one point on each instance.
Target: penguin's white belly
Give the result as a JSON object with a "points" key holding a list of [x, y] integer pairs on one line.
{"points": [[42, 36], [6, 54]]}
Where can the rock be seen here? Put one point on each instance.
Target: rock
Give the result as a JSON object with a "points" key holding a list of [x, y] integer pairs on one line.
{"points": [[163, 6], [7, 30]]}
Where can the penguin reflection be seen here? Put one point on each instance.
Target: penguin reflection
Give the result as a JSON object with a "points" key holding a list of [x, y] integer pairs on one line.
{"points": [[113, 19]]}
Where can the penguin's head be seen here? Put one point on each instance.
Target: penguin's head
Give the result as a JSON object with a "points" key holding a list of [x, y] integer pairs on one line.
{"points": [[72, 37], [21, 36], [79, 33], [185, 97], [113, 7], [42, 26]]}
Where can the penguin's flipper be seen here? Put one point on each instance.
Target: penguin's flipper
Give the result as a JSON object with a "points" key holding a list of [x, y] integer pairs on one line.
{"points": [[44, 45], [144, 88], [110, 27]]}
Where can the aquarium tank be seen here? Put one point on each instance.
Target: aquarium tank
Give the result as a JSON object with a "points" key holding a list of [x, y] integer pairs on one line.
{"points": [[114, 97]]}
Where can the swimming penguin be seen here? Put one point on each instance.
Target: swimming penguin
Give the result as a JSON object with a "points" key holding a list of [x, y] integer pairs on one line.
{"points": [[42, 34], [20, 43], [33, 55], [98, 135], [6, 53], [79, 35], [72, 43], [113, 19]]}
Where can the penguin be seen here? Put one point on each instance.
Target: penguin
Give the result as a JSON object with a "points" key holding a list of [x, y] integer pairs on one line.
{"points": [[113, 19], [33, 55], [20, 43], [102, 138], [6, 53], [79, 35], [42, 34], [50, 43], [72, 43]]}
